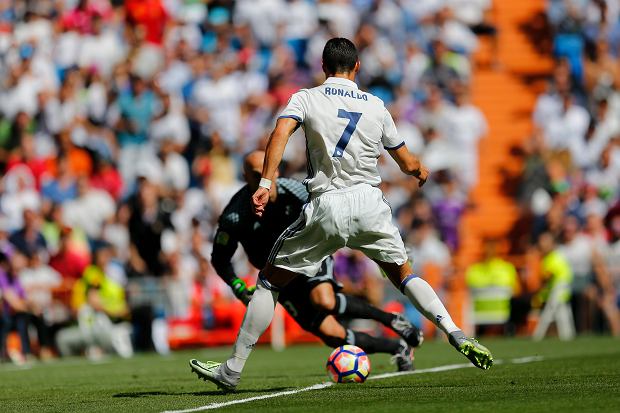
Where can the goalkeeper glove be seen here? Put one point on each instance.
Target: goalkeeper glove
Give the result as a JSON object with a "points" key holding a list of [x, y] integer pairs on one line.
{"points": [[242, 291]]}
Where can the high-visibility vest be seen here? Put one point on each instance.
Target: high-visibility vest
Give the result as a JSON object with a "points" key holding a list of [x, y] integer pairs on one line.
{"points": [[111, 294], [492, 284], [555, 269]]}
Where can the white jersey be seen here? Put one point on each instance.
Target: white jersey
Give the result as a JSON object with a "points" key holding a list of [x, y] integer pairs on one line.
{"points": [[344, 128]]}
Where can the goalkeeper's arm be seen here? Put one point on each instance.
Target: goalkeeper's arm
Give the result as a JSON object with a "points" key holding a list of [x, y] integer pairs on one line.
{"points": [[224, 248]]}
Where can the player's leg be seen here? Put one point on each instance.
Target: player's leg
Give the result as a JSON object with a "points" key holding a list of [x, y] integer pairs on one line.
{"points": [[380, 240], [333, 334], [257, 318], [354, 307], [259, 313], [424, 298], [324, 298], [420, 293], [299, 250]]}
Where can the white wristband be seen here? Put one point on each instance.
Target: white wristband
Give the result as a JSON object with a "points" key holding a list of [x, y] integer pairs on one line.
{"points": [[265, 183]]}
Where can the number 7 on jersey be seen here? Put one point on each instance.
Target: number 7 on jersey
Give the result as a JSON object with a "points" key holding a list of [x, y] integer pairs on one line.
{"points": [[353, 117]]}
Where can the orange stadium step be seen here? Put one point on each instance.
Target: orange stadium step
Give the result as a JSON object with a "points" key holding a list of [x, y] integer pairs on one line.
{"points": [[507, 100]]}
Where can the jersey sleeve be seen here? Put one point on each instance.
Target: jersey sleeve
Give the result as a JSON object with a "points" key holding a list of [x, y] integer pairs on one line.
{"points": [[224, 247], [297, 106], [390, 138]]}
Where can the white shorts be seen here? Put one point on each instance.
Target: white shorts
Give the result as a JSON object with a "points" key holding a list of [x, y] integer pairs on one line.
{"points": [[358, 217]]}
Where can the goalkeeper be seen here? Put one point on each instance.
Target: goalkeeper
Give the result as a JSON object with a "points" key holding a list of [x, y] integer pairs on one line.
{"points": [[312, 302]]}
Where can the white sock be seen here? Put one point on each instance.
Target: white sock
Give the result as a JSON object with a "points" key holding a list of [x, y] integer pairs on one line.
{"points": [[422, 295], [258, 316]]}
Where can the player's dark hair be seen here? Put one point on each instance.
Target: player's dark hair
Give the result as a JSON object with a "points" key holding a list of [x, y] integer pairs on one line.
{"points": [[339, 56]]}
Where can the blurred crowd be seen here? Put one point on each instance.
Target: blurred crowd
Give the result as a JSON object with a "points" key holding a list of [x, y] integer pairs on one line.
{"points": [[122, 128], [569, 195]]}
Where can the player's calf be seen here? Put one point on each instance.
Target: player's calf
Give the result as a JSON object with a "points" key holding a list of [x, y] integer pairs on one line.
{"points": [[323, 297]]}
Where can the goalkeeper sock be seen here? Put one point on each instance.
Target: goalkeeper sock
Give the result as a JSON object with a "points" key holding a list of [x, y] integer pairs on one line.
{"points": [[372, 344], [257, 318], [353, 307], [424, 298]]}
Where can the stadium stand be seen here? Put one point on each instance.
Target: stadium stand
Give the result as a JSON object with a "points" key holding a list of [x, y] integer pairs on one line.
{"points": [[123, 124]]}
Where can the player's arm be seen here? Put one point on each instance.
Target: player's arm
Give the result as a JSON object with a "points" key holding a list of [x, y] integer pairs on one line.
{"points": [[394, 144], [273, 155], [224, 248], [409, 163]]}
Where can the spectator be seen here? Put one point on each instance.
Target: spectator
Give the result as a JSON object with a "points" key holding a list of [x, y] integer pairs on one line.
{"points": [[445, 68], [68, 261], [567, 129], [89, 210], [492, 283], [555, 293], [14, 306], [61, 188], [584, 260], [147, 223], [448, 206], [100, 305], [611, 292], [38, 281], [426, 248], [29, 239], [469, 126]]}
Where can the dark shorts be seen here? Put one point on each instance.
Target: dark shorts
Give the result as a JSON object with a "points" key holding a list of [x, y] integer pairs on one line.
{"points": [[295, 298]]}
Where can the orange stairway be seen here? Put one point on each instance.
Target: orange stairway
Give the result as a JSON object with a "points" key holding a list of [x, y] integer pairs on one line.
{"points": [[506, 95]]}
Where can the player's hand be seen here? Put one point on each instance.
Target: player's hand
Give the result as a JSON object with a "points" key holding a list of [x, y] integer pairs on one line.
{"points": [[259, 200], [241, 290], [422, 175]]}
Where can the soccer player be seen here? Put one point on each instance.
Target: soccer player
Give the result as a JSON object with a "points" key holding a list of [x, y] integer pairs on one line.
{"points": [[344, 127], [310, 301]]}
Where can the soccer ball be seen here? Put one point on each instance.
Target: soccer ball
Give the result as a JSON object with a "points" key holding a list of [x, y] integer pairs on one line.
{"points": [[348, 364]]}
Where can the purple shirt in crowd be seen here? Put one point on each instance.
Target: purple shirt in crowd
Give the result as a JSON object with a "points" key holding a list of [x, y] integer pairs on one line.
{"points": [[347, 267], [447, 213], [10, 284]]}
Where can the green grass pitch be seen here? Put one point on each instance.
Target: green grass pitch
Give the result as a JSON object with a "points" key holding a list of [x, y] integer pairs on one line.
{"points": [[580, 376]]}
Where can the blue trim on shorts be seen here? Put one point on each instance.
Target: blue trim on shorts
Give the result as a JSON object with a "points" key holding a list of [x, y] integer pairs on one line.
{"points": [[404, 282]]}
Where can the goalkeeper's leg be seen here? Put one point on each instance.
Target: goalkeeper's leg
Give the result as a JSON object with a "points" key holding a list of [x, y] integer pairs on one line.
{"points": [[324, 298]]}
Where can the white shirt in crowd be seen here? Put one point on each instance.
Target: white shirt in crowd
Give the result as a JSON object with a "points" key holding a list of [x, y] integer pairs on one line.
{"points": [[430, 250], [222, 98], [89, 212], [264, 18], [38, 283], [301, 21], [102, 51]]}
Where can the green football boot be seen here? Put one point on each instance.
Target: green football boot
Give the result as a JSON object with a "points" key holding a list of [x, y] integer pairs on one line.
{"points": [[479, 355], [217, 373]]}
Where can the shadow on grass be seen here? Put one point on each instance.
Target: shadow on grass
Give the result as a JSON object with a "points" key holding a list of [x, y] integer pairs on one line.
{"points": [[138, 394]]}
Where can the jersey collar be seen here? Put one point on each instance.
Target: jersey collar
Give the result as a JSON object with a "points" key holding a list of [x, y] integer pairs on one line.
{"points": [[340, 81]]}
